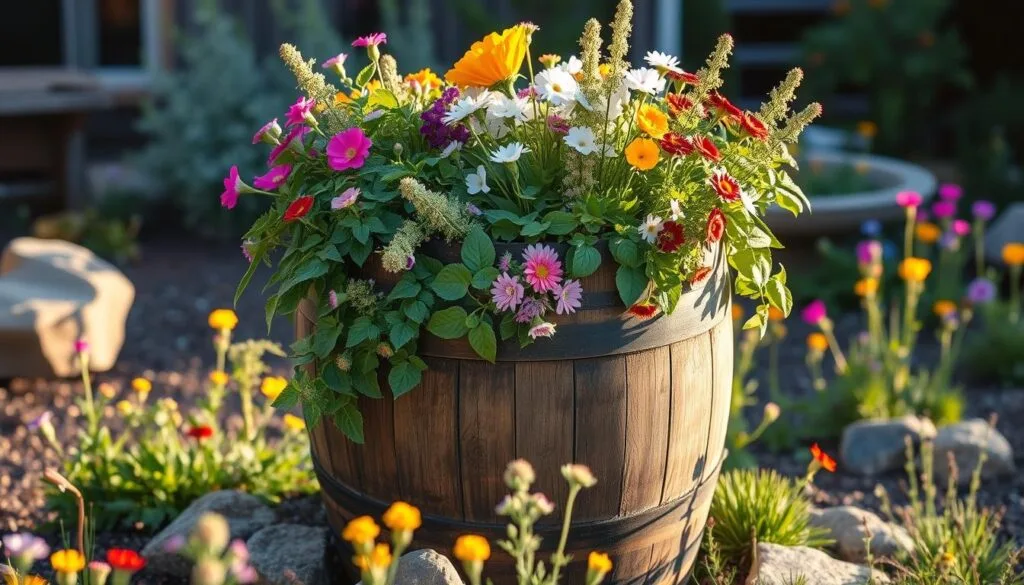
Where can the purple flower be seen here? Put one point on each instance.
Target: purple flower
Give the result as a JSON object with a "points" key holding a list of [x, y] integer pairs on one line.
{"points": [[944, 209], [40, 421], [568, 294], [544, 329], [815, 312], [345, 199], [81, 345], [507, 292], [950, 192], [437, 133], [922, 215], [869, 251], [410, 262], [505, 263], [961, 227], [174, 544], [473, 209], [908, 199], [532, 308], [26, 547], [983, 210], [981, 291], [950, 241], [301, 111]]}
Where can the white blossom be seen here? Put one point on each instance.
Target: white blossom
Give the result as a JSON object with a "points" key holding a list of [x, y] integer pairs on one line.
{"points": [[646, 80], [650, 229], [477, 182], [509, 153], [581, 139]]}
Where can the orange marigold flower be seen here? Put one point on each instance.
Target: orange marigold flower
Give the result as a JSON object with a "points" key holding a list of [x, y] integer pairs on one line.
{"points": [[293, 423], [817, 342], [273, 386], [944, 308], [867, 129], [222, 319], [379, 558], [495, 58], [361, 530], [915, 269], [142, 385], [219, 378], [928, 233], [866, 287], [425, 80], [823, 458], [1013, 254], [652, 121], [775, 314], [471, 548], [402, 516], [643, 154]]}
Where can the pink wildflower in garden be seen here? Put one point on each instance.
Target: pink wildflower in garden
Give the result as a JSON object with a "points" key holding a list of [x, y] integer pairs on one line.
{"points": [[371, 40], [558, 124], [869, 251], [336, 63], [274, 178], [908, 199], [348, 149], [293, 140], [961, 227], [247, 249], [505, 263], [950, 192], [543, 271], [332, 299], [81, 345], [345, 199], [25, 547], [544, 329], [507, 292], [301, 111], [269, 133], [815, 312], [233, 187], [944, 209], [983, 210], [568, 295]]}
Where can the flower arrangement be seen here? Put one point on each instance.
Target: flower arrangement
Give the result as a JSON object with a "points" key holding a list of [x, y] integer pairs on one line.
{"points": [[584, 159]]}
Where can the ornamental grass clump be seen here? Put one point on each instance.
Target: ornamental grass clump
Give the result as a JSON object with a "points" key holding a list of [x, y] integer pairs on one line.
{"points": [[583, 159]]}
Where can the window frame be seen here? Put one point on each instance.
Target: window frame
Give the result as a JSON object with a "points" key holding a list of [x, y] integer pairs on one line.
{"points": [[80, 44]]}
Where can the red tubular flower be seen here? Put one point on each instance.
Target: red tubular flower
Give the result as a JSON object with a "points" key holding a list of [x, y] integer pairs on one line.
{"points": [[643, 311], [298, 208], [701, 275], [754, 126], [200, 432], [676, 145], [706, 147], [671, 237], [122, 559], [716, 226], [726, 187], [823, 458], [683, 76], [723, 106], [678, 103]]}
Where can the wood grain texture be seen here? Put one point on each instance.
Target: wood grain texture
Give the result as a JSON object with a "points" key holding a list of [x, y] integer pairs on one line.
{"points": [[544, 423], [426, 441], [600, 433], [689, 415], [722, 365], [376, 456], [487, 434], [648, 387], [630, 567]]}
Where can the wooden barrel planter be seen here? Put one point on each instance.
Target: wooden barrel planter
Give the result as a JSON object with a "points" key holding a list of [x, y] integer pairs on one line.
{"points": [[645, 404]]}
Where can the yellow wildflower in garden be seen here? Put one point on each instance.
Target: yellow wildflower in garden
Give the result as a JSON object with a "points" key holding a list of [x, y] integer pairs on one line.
{"points": [[124, 408], [293, 422], [915, 269], [943, 308], [471, 548], [219, 377], [222, 319], [67, 561], [496, 58], [379, 558], [598, 563], [426, 80], [643, 154], [401, 516], [361, 530], [927, 232], [866, 287], [652, 121], [273, 386], [817, 342], [142, 386], [1013, 254]]}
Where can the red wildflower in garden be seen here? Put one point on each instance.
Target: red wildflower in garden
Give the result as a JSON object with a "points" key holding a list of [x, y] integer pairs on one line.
{"points": [[298, 208], [706, 147], [723, 106], [823, 458], [643, 311], [122, 559], [726, 187], [678, 103], [676, 145], [684, 76], [200, 432], [716, 226], [671, 237], [754, 126], [701, 275]]}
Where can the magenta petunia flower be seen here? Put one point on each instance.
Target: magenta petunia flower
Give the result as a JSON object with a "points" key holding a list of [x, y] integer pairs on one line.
{"points": [[336, 63], [961, 227], [542, 270], [921, 215], [869, 251], [542, 330], [233, 187], [950, 191], [81, 345], [815, 312], [507, 292], [981, 291], [568, 295], [274, 178], [348, 149], [371, 40], [301, 111], [270, 133], [345, 199], [908, 199], [293, 141], [531, 309], [983, 210], [944, 209]]}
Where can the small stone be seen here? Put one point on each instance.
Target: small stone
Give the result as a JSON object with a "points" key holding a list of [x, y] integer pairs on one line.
{"points": [[870, 447], [849, 526], [246, 514], [783, 565], [284, 554], [426, 567], [967, 440]]}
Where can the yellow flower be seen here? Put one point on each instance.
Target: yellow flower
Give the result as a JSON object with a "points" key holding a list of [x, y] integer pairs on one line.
{"points": [[599, 562], [471, 547], [341, 99], [775, 314], [643, 154], [293, 422], [817, 342], [943, 308], [361, 530], [402, 517], [737, 312], [604, 69], [142, 385], [549, 60], [867, 129], [496, 58], [915, 269], [928, 233], [1013, 254], [652, 121], [125, 408], [866, 287], [67, 561], [379, 558], [273, 386], [219, 378], [222, 319], [426, 80]]}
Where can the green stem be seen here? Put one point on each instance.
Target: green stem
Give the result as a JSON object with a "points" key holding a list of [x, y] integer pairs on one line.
{"points": [[558, 559], [908, 233]]}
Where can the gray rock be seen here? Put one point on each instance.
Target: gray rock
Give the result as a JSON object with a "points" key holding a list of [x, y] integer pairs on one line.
{"points": [[967, 440], [870, 447], [426, 567], [1005, 229], [849, 527], [782, 565], [284, 554], [245, 514]]}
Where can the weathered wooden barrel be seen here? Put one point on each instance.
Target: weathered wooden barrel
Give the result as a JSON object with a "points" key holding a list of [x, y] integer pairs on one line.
{"points": [[644, 404]]}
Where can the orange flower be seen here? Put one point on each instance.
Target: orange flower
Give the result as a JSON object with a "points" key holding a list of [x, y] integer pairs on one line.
{"points": [[425, 80], [219, 378], [928, 233], [496, 58], [598, 563], [652, 121], [775, 314], [643, 154], [737, 312], [402, 517], [944, 308], [472, 548], [360, 531], [866, 287], [549, 60], [867, 129], [823, 458], [817, 342], [915, 269], [379, 558], [1013, 254]]}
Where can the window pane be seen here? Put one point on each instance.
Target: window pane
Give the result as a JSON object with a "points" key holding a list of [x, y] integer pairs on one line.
{"points": [[30, 33], [120, 32]]}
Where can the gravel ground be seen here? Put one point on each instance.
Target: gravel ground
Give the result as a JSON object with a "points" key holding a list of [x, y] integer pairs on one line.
{"points": [[169, 342]]}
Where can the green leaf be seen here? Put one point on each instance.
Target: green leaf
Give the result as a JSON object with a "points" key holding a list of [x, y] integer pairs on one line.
{"points": [[630, 283], [484, 278], [329, 253], [402, 333], [325, 339], [449, 323], [361, 233], [560, 223], [625, 252], [271, 310], [338, 381], [585, 261], [452, 283], [534, 228], [483, 342], [349, 420], [477, 250], [361, 330], [287, 399], [366, 75], [406, 288], [416, 310], [507, 327], [366, 384], [403, 377], [306, 272]]}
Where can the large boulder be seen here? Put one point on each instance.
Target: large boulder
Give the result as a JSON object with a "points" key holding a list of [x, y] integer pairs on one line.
{"points": [[284, 554], [870, 447], [966, 441], [849, 526], [52, 293], [426, 567], [783, 565]]}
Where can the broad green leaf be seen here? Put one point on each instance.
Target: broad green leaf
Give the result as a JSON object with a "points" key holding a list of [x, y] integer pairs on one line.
{"points": [[325, 339], [625, 252], [366, 384], [349, 420], [477, 250], [448, 323], [416, 310], [406, 288], [484, 278], [481, 338], [402, 333], [534, 228], [364, 76], [361, 330], [585, 261], [630, 283], [287, 399], [314, 268], [560, 223], [452, 283], [403, 377]]}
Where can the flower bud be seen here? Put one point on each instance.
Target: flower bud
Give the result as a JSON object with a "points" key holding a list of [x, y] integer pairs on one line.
{"points": [[771, 412], [577, 474], [98, 573], [209, 572], [212, 533], [519, 475], [398, 148]]}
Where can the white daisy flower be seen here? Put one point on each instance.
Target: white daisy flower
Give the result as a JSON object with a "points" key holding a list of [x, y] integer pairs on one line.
{"points": [[503, 106], [556, 86], [650, 229], [663, 61], [462, 109], [581, 139], [452, 147], [572, 66], [477, 182], [646, 80], [509, 153], [677, 212]]}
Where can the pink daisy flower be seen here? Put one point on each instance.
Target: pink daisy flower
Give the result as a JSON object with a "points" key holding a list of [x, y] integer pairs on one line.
{"points": [[301, 111], [544, 329], [345, 199], [568, 295], [507, 292], [348, 149], [233, 187], [908, 199], [371, 40], [543, 270], [269, 133], [293, 141], [505, 263], [273, 179]]}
